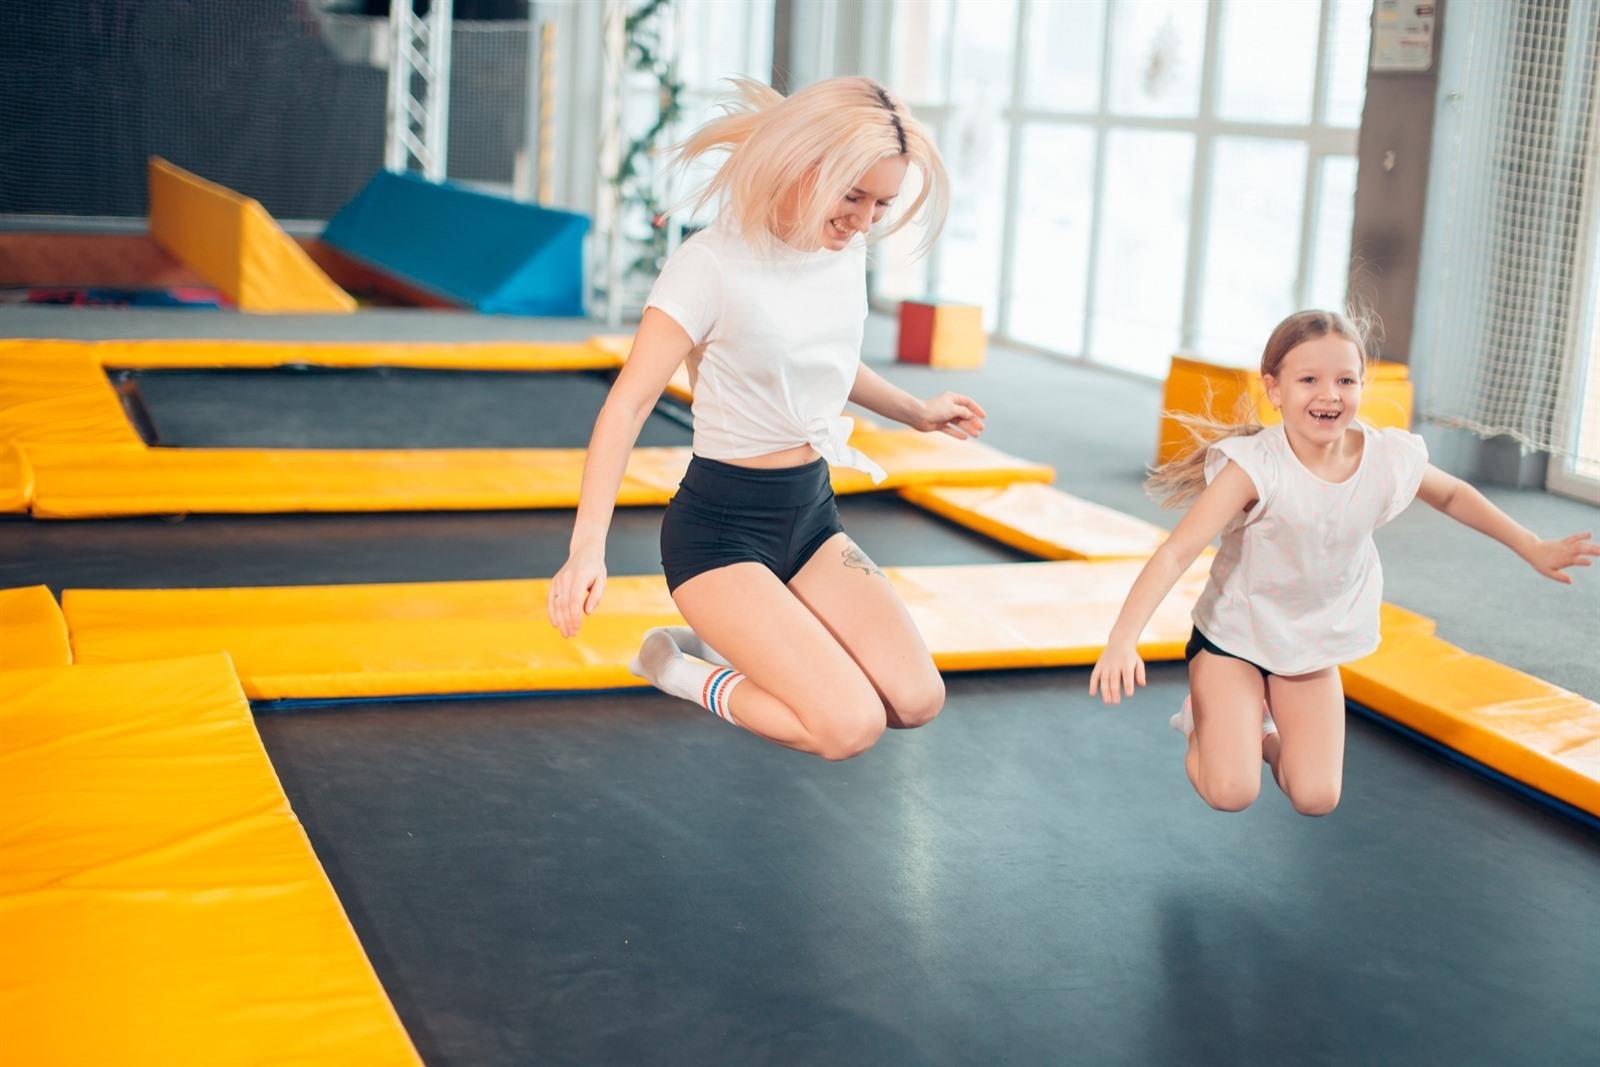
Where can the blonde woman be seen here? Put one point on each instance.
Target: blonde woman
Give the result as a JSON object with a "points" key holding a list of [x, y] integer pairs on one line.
{"points": [[813, 649], [1295, 587]]}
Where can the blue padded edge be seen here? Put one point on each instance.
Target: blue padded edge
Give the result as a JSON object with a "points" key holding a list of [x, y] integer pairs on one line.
{"points": [[469, 247], [309, 703], [1483, 770]]}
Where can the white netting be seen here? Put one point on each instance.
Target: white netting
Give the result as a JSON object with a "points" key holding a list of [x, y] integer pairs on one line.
{"points": [[1508, 319], [282, 100]]}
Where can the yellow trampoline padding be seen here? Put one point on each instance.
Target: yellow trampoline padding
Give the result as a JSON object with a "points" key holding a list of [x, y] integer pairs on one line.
{"points": [[16, 479], [477, 355], [480, 637], [159, 901], [911, 458], [1523, 727], [33, 632], [1042, 520], [55, 392], [77, 482], [233, 243]]}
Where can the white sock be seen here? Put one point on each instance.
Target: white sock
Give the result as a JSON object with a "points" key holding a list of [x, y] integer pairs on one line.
{"points": [[691, 644], [662, 663], [1183, 720]]}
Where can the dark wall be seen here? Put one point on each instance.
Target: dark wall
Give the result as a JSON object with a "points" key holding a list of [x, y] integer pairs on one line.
{"points": [[276, 99], [1391, 193]]}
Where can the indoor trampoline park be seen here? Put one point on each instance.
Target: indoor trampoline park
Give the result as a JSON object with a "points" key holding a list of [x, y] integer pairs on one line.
{"points": [[886, 532]]}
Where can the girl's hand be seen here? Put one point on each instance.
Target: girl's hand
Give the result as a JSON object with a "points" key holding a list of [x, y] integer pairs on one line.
{"points": [[959, 416], [1119, 671], [1550, 558], [576, 589]]}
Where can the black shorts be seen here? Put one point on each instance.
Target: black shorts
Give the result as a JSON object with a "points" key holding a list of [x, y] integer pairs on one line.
{"points": [[726, 514], [1199, 642]]}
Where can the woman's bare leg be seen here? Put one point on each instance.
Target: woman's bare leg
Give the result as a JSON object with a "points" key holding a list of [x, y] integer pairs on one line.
{"points": [[801, 688]]}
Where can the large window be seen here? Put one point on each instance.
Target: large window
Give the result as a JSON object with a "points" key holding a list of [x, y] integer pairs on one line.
{"points": [[1134, 177], [1574, 468], [717, 40]]}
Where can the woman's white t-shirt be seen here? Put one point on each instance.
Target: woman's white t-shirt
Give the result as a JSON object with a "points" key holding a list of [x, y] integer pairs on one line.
{"points": [[777, 336], [1296, 584]]}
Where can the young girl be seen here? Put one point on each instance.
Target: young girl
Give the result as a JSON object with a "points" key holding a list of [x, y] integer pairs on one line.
{"points": [[1295, 587], [813, 648]]}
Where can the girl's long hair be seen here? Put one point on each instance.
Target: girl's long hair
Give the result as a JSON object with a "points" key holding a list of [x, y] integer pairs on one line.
{"points": [[819, 142], [1177, 482]]}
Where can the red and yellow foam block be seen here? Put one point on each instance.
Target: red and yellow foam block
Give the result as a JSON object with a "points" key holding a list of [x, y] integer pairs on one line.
{"points": [[943, 335]]}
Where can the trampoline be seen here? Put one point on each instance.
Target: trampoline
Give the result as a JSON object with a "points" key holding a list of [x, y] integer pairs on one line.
{"points": [[622, 878]]}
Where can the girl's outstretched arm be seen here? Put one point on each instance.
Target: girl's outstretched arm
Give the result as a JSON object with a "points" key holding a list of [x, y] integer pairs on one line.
{"points": [[658, 347], [1466, 505], [1120, 669]]}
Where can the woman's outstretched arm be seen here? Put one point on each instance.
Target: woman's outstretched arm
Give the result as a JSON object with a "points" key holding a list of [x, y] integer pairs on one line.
{"points": [[659, 346], [959, 416]]}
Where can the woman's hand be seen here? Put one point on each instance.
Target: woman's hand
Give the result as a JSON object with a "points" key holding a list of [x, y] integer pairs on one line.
{"points": [[1119, 670], [1551, 558], [959, 416], [576, 589]]}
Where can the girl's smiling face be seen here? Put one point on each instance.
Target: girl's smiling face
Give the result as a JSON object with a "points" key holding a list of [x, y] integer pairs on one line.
{"points": [[1318, 388]]}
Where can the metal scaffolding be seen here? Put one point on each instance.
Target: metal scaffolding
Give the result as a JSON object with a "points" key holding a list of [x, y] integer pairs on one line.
{"points": [[419, 88]]}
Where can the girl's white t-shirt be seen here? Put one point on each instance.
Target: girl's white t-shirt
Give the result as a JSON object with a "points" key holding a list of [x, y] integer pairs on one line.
{"points": [[777, 336], [1296, 584]]}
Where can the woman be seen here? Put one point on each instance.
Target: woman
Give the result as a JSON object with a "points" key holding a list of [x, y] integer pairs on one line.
{"points": [[795, 634]]}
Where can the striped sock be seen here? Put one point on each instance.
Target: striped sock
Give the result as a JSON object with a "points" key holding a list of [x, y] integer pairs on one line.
{"points": [[717, 691], [662, 663]]}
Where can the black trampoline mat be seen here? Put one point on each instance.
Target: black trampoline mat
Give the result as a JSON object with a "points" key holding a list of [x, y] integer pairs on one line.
{"points": [[1029, 880], [208, 551], [380, 408]]}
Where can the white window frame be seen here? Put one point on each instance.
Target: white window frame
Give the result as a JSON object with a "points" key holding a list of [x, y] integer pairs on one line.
{"points": [[1561, 475], [1321, 139]]}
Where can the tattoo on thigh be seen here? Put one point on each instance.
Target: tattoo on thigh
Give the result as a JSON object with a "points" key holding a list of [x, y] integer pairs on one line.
{"points": [[854, 557]]}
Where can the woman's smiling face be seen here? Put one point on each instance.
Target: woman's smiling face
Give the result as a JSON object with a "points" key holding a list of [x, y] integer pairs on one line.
{"points": [[865, 203]]}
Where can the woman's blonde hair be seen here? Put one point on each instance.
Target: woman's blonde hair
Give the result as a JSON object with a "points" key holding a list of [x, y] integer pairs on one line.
{"points": [[1178, 481], [819, 141]]}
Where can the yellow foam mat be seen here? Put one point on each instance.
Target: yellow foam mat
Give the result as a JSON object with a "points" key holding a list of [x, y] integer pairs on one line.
{"points": [[1524, 727], [56, 393], [159, 902], [233, 243], [80, 482], [478, 355], [33, 632], [16, 479], [1041, 520], [471, 637]]}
